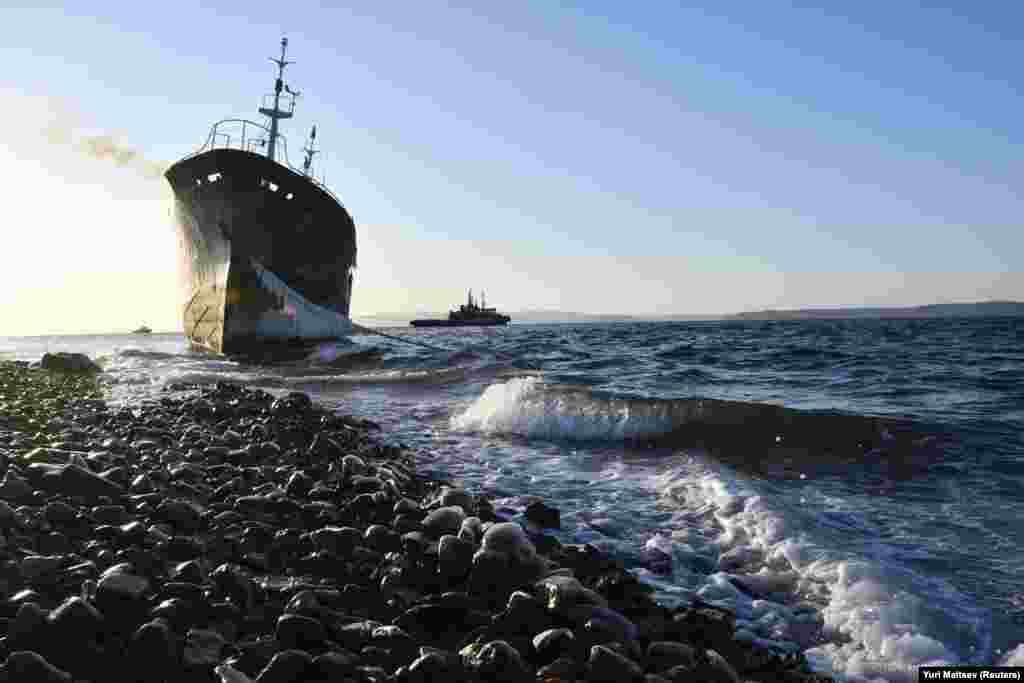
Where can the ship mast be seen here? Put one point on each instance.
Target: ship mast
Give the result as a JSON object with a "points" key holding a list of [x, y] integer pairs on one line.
{"points": [[276, 113], [310, 151]]}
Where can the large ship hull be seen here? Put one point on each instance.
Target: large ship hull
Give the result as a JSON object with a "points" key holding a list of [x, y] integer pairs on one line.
{"points": [[267, 255]]}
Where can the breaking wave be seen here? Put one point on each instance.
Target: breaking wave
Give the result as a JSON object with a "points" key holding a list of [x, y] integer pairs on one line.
{"points": [[530, 407], [872, 618]]}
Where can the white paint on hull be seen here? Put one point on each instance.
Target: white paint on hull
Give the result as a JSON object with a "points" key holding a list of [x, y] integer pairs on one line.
{"points": [[297, 318]]}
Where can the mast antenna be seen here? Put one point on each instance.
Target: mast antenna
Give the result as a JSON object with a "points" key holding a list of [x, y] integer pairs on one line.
{"points": [[310, 151], [276, 113]]}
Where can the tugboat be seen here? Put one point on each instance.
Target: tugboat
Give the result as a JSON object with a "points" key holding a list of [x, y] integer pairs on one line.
{"points": [[469, 313], [268, 251]]}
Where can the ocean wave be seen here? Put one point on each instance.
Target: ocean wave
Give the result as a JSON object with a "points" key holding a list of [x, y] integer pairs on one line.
{"points": [[147, 354], [531, 407]]}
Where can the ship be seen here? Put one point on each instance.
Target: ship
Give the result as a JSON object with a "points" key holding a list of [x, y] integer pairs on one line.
{"points": [[469, 313], [142, 330], [267, 251]]}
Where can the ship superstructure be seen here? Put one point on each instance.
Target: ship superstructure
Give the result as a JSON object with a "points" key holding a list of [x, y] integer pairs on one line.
{"points": [[268, 251], [469, 313]]}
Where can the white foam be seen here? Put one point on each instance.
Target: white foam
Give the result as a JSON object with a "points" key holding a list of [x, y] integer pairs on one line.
{"points": [[878, 628], [1014, 657], [525, 406]]}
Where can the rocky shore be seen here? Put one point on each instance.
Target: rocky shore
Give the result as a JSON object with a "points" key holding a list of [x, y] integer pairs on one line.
{"points": [[225, 534]]}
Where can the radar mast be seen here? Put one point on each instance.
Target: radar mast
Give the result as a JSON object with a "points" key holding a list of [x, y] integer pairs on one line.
{"points": [[277, 113], [310, 151]]}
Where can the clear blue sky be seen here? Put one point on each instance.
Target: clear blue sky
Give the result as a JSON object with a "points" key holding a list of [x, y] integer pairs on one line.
{"points": [[601, 157]]}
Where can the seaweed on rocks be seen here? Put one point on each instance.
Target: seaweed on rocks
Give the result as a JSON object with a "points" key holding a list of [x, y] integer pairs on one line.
{"points": [[222, 533]]}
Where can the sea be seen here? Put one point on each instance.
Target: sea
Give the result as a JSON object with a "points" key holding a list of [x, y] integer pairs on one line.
{"points": [[875, 562]]}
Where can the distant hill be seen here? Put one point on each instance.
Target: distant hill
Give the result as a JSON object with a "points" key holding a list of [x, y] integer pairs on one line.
{"points": [[981, 309], [975, 310]]}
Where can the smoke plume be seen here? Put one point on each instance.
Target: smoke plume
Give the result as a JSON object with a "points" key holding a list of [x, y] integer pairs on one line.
{"points": [[105, 148]]}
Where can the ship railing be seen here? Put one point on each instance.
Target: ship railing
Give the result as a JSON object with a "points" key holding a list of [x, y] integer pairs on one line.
{"points": [[250, 136]]}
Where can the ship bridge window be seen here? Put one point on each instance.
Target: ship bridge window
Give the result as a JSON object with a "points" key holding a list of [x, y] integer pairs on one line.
{"points": [[214, 177]]}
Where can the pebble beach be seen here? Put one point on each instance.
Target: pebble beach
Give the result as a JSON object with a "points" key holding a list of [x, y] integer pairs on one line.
{"points": [[222, 533]]}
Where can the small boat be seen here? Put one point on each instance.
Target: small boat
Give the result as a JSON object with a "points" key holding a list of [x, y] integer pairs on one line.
{"points": [[142, 330], [469, 313]]}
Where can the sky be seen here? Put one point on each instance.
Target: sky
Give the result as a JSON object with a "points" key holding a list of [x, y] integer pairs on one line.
{"points": [[600, 157]]}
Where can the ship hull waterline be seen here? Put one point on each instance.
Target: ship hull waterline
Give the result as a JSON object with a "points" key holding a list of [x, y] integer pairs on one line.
{"points": [[266, 255]]}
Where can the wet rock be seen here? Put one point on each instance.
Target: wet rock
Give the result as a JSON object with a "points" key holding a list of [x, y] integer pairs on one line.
{"points": [[296, 632], [356, 635], [446, 520], [59, 512], [72, 480], [180, 614], [562, 670], [29, 628], [490, 576], [510, 539], [561, 592], [69, 362], [338, 540], [30, 666], [497, 661], [229, 674], [407, 506], [286, 667], [75, 619], [397, 642], [471, 530], [15, 489], [454, 558], [299, 401], [604, 620], [38, 569], [203, 648], [522, 614], [605, 665], [181, 548], [717, 670], [230, 582], [364, 484], [434, 622], [544, 515], [189, 571], [664, 654], [333, 666], [298, 485], [434, 665], [553, 644], [382, 539], [705, 626], [152, 655], [450, 496], [352, 465], [109, 514]]}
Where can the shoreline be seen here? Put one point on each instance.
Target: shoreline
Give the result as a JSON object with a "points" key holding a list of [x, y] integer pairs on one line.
{"points": [[223, 533]]}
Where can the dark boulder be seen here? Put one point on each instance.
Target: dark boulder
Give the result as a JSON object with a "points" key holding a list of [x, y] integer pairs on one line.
{"points": [[68, 362]]}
